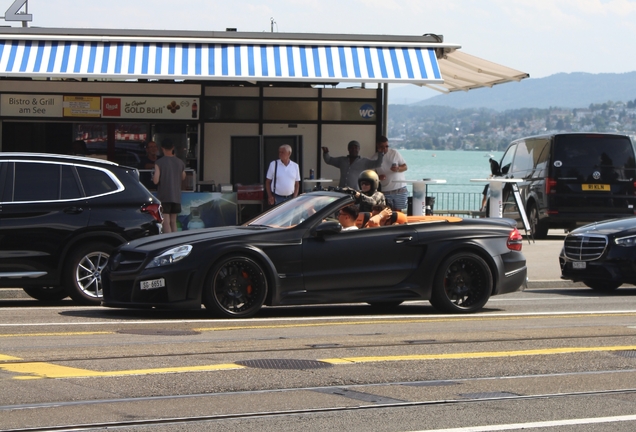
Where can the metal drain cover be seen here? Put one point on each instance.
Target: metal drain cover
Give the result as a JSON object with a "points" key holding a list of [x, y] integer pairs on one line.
{"points": [[284, 364], [159, 332], [628, 354]]}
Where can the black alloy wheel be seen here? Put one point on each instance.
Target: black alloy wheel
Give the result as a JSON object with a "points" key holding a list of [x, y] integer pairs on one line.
{"points": [[463, 284], [602, 286], [83, 272], [539, 228], [236, 287], [46, 293]]}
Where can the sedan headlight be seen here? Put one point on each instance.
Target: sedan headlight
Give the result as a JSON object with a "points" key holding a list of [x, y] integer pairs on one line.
{"points": [[170, 256], [626, 241]]}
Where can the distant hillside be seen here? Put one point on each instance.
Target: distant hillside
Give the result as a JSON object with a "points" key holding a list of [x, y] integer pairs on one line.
{"points": [[563, 90]]}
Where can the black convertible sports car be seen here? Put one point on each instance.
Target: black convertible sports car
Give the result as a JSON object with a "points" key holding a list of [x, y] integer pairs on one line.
{"points": [[602, 255], [297, 253]]}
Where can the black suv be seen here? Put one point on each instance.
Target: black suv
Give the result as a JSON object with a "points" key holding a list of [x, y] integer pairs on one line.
{"points": [[570, 179], [61, 217]]}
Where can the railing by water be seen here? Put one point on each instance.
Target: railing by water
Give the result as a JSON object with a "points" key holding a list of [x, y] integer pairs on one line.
{"points": [[457, 200]]}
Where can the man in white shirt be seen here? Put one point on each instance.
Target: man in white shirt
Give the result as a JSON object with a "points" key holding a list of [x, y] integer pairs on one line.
{"points": [[392, 176], [283, 177]]}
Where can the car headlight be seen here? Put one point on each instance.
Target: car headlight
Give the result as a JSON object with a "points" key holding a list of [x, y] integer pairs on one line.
{"points": [[170, 256], [626, 241]]}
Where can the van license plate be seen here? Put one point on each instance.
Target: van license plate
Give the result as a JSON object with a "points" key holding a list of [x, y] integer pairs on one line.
{"points": [[157, 283], [578, 264], [596, 187]]}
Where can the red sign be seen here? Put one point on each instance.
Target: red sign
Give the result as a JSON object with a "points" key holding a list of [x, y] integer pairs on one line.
{"points": [[111, 107]]}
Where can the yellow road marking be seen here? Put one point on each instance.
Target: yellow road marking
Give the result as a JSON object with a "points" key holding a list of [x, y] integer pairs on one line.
{"points": [[39, 370], [57, 334], [476, 355]]}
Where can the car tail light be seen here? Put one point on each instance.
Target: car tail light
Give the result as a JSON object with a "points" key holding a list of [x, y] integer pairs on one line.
{"points": [[153, 210], [635, 188], [550, 185], [515, 240]]}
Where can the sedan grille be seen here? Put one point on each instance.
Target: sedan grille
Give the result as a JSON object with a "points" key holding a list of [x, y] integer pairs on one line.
{"points": [[585, 247]]}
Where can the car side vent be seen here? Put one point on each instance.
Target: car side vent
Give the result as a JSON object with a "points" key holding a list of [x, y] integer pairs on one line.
{"points": [[585, 247], [127, 261]]}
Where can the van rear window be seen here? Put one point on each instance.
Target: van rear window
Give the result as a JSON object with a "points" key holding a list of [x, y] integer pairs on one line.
{"points": [[584, 153]]}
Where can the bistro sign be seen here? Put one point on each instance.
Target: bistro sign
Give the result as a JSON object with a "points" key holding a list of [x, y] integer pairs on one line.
{"points": [[31, 105], [120, 107]]}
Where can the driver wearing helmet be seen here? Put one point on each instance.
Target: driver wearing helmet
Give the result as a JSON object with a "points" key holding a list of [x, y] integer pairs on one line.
{"points": [[369, 195]]}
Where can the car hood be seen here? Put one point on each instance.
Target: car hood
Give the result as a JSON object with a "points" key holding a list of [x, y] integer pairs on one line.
{"points": [[609, 227], [165, 241]]}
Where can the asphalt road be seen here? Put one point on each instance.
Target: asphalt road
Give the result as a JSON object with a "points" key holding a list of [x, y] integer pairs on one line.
{"points": [[554, 358]]}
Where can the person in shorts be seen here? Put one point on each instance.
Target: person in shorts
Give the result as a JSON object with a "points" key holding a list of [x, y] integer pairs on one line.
{"points": [[169, 173]]}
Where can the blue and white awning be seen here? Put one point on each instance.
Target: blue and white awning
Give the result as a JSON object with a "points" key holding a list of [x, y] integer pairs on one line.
{"points": [[324, 63]]}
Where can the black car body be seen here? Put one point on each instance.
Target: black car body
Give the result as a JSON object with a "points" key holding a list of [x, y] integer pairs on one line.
{"points": [[569, 179], [61, 217], [601, 255], [297, 254]]}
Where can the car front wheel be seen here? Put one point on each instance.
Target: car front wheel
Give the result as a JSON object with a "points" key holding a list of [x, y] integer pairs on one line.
{"points": [[236, 287], [83, 272], [46, 293], [603, 286], [463, 284]]}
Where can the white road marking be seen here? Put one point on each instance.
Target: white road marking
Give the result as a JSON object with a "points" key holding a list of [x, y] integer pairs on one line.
{"points": [[544, 424]]}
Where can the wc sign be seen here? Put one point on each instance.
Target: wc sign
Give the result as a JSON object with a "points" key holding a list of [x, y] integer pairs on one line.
{"points": [[367, 111]]}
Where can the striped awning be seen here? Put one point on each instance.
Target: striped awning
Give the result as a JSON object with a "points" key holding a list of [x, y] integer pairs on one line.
{"points": [[312, 62]]}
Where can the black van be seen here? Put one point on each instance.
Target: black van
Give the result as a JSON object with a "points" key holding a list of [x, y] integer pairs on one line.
{"points": [[569, 179]]}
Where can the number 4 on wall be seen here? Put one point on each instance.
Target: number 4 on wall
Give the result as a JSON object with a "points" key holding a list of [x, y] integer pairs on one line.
{"points": [[14, 14]]}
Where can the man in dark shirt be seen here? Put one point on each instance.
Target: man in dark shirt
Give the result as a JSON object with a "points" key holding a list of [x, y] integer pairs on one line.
{"points": [[352, 165]]}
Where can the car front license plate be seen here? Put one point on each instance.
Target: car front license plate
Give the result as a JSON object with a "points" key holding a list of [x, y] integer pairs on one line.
{"points": [[578, 265], [596, 187], [152, 284]]}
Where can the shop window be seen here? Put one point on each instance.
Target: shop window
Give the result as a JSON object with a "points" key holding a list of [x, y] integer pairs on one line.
{"points": [[231, 109], [358, 111], [290, 110]]}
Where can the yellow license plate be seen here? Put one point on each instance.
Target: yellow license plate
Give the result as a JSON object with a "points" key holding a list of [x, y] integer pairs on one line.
{"points": [[596, 187]]}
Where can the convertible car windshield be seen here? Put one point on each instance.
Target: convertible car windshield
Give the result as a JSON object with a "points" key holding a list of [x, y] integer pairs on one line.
{"points": [[292, 212]]}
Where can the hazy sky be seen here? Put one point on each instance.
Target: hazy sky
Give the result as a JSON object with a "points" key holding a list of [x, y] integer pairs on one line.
{"points": [[541, 37]]}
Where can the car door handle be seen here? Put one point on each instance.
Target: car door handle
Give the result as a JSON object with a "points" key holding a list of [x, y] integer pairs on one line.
{"points": [[403, 239], [73, 210]]}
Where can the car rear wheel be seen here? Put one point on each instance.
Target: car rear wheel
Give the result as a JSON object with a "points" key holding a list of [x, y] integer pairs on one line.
{"points": [[605, 286], [463, 284], [83, 272], [539, 227], [236, 287], [46, 293]]}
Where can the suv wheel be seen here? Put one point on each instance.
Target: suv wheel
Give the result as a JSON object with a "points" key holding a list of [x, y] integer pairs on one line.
{"points": [[83, 272], [46, 293], [539, 227]]}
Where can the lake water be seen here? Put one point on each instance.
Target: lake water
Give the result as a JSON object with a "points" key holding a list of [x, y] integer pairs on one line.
{"points": [[457, 168]]}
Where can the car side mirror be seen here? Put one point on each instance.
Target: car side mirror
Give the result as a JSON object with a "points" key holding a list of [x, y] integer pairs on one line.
{"points": [[328, 227], [494, 167]]}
